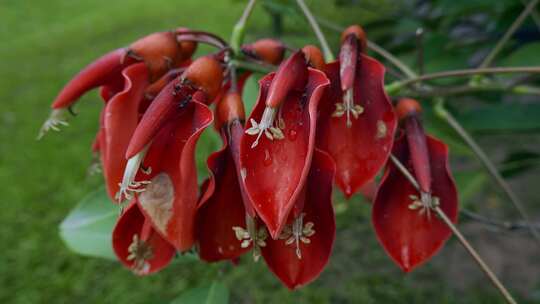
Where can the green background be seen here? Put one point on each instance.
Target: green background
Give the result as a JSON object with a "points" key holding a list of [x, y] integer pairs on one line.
{"points": [[44, 43]]}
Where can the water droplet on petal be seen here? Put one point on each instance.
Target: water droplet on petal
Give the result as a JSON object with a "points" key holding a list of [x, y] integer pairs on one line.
{"points": [[267, 158], [292, 134]]}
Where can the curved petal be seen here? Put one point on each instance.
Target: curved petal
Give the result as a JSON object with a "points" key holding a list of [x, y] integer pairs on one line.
{"points": [[362, 149], [170, 200], [411, 237], [220, 211], [171, 100], [120, 118], [275, 171], [282, 258], [92, 76], [137, 245]]}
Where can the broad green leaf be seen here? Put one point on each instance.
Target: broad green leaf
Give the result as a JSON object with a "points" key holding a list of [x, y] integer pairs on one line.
{"points": [[527, 55], [87, 228], [217, 293], [502, 118]]}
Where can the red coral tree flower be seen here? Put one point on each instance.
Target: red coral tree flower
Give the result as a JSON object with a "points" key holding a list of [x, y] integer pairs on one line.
{"points": [[163, 146], [137, 244], [277, 147], [402, 215], [356, 123]]}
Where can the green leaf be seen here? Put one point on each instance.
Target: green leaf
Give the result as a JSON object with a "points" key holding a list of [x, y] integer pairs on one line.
{"points": [[526, 55], [217, 293], [88, 227], [502, 118]]}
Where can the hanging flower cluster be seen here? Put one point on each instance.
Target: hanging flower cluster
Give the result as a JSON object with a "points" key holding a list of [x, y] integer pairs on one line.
{"points": [[269, 190]]}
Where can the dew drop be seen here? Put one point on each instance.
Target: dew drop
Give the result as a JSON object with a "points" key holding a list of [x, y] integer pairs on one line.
{"points": [[292, 134], [267, 158]]}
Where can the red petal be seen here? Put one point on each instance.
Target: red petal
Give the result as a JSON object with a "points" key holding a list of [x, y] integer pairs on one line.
{"points": [[281, 258], [220, 211], [164, 107], [408, 237], [275, 171], [170, 201], [361, 150], [132, 222], [95, 74], [120, 120]]}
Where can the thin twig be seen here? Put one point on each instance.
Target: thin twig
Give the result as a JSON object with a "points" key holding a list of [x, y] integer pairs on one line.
{"points": [[392, 59], [467, 72], [511, 30], [500, 224], [420, 50], [254, 67], [374, 47], [490, 167], [239, 29], [485, 268], [534, 15], [328, 55], [493, 278]]}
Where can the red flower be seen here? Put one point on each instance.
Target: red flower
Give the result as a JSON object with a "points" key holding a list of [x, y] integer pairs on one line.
{"points": [[137, 244], [303, 248], [356, 123], [402, 216], [223, 205], [163, 146], [275, 166], [119, 120], [159, 51]]}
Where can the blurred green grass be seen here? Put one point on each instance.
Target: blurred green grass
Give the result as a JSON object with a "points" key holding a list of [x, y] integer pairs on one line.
{"points": [[44, 43]]}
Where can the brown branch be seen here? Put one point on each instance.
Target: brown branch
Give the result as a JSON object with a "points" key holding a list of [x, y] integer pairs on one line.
{"points": [[490, 167], [511, 30], [472, 252]]}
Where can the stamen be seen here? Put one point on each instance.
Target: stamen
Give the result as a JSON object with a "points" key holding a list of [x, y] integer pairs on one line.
{"points": [[298, 232], [348, 107], [251, 235], [139, 252], [426, 202], [56, 119], [266, 126], [128, 186]]}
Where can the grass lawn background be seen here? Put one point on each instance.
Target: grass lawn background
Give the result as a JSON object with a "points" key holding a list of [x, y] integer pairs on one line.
{"points": [[44, 43]]}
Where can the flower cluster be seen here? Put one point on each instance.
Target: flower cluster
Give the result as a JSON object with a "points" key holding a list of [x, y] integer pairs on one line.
{"points": [[269, 190]]}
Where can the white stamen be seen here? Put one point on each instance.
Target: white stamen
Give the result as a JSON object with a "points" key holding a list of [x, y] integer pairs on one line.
{"points": [[348, 107], [426, 202], [129, 185], [251, 235], [298, 232], [266, 126], [139, 252], [56, 118]]}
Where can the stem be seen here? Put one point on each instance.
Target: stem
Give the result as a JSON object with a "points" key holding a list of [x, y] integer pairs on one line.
{"points": [[459, 73], [501, 224], [511, 30], [374, 47], [534, 15], [420, 50], [239, 29], [489, 273], [485, 268], [490, 167], [328, 55], [254, 67]]}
